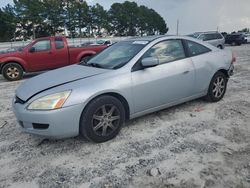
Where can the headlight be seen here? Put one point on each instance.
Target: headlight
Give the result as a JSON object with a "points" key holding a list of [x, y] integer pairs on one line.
{"points": [[50, 102]]}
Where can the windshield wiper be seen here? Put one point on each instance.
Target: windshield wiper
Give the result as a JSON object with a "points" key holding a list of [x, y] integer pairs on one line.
{"points": [[95, 65], [119, 65]]}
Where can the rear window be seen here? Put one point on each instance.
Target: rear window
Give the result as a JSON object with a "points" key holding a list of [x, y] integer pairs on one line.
{"points": [[59, 43], [196, 49]]}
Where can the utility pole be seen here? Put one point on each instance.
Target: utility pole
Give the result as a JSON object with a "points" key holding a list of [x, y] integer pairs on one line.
{"points": [[177, 28]]}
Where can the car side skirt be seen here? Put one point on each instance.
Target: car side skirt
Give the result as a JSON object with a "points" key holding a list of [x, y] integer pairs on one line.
{"points": [[155, 109]]}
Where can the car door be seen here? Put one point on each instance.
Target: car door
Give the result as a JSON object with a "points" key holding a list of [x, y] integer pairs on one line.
{"points": [[59, 53], [170, 81], [200, 56], [40, 55]]}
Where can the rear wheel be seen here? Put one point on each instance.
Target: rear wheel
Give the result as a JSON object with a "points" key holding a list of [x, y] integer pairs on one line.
{"points": [[85, 59], [220, 46], [217, 87], [102, 119], [12, 71]]}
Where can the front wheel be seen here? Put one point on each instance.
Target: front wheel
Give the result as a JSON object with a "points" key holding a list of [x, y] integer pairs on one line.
{"points": [[102, 119], [217, 87], [12, 71]]}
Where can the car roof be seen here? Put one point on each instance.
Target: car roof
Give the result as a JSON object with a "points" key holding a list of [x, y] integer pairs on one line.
{"points": [[207, 32], [234, 34], [147, 38]]}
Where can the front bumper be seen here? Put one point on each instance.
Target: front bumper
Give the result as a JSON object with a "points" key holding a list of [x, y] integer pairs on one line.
{"points": [[60, 123]]}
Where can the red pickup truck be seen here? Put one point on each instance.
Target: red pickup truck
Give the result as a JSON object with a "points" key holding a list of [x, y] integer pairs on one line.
{"points": [[43, 54]]}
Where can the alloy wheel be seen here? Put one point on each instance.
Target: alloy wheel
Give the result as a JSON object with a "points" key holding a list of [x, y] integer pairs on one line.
{"points": [[106, 120], [12, 72], [219, 86]]}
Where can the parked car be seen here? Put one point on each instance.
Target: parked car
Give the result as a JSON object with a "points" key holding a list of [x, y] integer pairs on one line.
{"points": [[235, 39], [87, 43], [247, 38], [43, 54], [103, 42], [214, 38], [127, 80]]}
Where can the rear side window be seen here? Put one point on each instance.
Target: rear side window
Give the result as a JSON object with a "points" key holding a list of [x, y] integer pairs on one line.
{"points": [[167, 51], [219, 36], [210, 37], [59, 43], [196, 49]]}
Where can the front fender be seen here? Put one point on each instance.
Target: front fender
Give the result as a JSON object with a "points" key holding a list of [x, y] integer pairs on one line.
{"points": [[18, 60]]}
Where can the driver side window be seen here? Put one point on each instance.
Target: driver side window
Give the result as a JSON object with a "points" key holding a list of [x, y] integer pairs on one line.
{"points": [[167, 51], [43, 45]]}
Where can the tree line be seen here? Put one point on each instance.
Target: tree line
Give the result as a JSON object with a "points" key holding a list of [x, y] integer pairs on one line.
{"points": [[38, 18]]}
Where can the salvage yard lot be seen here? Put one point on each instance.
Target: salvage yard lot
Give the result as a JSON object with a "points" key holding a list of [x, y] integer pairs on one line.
{"points": [[197, 144]]}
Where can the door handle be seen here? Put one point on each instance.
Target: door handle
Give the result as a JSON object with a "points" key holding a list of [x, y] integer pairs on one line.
{"points": [[49, 52], [186, 72]]}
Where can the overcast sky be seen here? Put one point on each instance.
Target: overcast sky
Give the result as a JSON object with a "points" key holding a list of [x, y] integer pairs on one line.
{"points": [[193, 15]]}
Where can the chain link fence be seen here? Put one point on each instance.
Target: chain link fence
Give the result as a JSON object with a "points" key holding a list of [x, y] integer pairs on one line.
{"points": [[73, 42]]}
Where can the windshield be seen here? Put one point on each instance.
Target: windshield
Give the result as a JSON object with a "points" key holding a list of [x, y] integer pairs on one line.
{"points": [[117, 55]]}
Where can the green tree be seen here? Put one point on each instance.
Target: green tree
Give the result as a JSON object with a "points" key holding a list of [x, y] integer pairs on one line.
{"points": [[7, 23], [53, 15], [246, 30], [119, 20], [127, 19], [29, 14], [81, 16], [99, 18]]}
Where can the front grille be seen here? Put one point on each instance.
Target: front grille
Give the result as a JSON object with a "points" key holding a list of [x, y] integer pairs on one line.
{"points": [[18, 100]]}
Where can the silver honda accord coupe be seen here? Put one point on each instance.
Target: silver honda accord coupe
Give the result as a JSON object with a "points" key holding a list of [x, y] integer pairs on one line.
{"points": [[127, 80]]}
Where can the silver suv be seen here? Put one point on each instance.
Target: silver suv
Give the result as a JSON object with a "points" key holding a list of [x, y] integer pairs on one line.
{"points": [[214, 38]]}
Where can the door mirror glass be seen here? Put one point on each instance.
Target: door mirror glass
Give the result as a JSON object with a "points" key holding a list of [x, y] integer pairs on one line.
{"points": [[150, 62]]}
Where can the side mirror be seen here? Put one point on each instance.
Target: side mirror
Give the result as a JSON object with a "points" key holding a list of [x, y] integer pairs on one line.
{"points": [[32, 50], [150, 62]]}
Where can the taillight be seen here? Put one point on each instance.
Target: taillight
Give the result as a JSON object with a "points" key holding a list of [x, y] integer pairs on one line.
{"points": [[233, 58]]}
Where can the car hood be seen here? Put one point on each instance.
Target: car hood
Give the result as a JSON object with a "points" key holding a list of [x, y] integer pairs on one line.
{"points": [[55, 78]]}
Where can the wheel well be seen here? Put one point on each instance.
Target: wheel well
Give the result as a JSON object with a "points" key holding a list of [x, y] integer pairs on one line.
{"points": [[121, 99], [224, 72], [86, 55], [3, 64], [220, 46]]}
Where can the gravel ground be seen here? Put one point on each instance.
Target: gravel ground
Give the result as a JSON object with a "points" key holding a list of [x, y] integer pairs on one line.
{"points": [[196, 144]]}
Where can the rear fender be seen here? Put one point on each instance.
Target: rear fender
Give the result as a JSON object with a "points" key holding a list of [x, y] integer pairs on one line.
{"points": [[84, 54]]}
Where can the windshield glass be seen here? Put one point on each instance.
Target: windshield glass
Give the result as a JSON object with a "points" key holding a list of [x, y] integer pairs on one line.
{"points": [[117, 55]]}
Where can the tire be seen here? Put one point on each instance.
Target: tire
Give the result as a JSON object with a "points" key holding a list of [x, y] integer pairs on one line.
{"points": [[12, 71], [217, 87], [220, 47], [102, 119], [85, 59]]}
